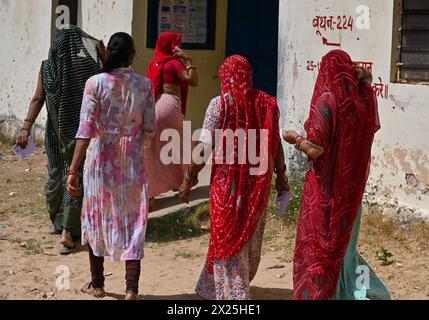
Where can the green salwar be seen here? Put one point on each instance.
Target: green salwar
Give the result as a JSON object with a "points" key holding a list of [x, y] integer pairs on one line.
{"points": [[352, 284], [73, 59]]}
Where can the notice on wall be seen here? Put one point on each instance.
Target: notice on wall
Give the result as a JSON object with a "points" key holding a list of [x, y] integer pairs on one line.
{"points": [[189, 17]]}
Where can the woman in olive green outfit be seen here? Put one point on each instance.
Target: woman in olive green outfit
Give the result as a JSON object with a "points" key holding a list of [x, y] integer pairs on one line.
{"points": [[73, 58]]}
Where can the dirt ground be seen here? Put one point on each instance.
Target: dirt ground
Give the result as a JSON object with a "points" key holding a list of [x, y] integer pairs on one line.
{"points": [[29, 259]]}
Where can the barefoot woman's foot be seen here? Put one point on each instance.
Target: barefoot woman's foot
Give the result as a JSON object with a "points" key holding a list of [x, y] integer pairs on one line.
{"points": [[98, 293], [68, 244], [66, 239]]}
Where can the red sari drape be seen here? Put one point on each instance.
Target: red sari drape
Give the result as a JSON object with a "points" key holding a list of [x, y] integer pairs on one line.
{"points": [[238, 199], [343, 120], [165, 45]]}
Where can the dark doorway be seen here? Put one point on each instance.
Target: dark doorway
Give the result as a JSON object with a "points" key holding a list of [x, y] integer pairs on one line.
{"points": [[253, 32]]}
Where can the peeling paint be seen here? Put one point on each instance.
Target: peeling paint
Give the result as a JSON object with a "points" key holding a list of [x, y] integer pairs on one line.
{"points": [[400, 166]]}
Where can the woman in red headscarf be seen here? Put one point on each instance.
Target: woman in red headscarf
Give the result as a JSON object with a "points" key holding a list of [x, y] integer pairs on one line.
{"points": [[340, 132], [171, 72], [240, 189]]}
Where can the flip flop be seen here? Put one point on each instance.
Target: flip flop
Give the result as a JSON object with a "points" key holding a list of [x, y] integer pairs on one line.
{"points": [[131, 296], [65, 251], [97, 293]]}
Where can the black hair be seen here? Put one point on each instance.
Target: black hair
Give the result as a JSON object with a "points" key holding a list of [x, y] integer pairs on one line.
{"points": [[120, 47]]}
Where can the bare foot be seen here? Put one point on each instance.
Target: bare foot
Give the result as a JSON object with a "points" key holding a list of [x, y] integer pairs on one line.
{"points": [[66, 240]]}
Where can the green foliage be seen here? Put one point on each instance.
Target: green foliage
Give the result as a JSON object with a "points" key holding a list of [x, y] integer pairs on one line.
{"points": [[179, 225], [189, 224], [292, 213]]}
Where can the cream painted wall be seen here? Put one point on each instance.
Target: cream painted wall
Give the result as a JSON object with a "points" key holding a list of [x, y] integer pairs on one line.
{"points": [[101, 19], [400, 169], [25, 32]]}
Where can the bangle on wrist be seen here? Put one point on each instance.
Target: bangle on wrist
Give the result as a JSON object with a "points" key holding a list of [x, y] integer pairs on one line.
{"points": [[30, 121], [299, 140], [73, 173]]}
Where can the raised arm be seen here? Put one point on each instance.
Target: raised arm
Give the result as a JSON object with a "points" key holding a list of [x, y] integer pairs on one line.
{"points": [[36, 105], [318, 127]]}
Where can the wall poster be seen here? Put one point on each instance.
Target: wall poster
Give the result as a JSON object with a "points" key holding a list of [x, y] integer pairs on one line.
{"points": [[194, 19]]}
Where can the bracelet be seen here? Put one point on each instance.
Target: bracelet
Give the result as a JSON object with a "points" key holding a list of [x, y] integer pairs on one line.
{"points": [[73, 173], [299, 140], [30, 120]]}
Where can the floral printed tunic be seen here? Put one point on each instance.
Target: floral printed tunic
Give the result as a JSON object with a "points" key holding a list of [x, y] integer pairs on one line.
{"points": [[118, 116]]}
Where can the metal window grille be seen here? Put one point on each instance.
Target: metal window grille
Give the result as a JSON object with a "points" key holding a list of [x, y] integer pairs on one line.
{"points": [[413, 53]]}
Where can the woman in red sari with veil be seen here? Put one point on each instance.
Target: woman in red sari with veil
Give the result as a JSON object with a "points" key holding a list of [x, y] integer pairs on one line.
{"points": [[340, 132], [238, 198]]}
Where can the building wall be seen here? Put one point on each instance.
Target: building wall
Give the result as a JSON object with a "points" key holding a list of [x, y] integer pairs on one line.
{"points": [[131, 17], [26, 35], [103, 18], [400, 168]]}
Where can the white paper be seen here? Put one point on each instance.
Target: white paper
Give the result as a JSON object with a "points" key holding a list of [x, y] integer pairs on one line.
{"points": [[28, 151]]}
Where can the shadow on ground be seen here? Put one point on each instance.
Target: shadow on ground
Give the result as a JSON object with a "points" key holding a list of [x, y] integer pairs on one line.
{"points": [[200, 193], [179, 225]]}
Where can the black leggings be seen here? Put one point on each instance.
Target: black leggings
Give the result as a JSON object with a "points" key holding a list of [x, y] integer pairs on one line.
{"points": [[132, 273]]}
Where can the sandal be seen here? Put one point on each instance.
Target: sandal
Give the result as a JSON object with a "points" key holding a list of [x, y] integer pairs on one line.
{"points": [[65, 251], [98, 293], [67, 240], [130, 296]]}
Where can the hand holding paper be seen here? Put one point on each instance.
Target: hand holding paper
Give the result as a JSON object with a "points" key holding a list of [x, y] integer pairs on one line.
{"points": [[25, 153]]}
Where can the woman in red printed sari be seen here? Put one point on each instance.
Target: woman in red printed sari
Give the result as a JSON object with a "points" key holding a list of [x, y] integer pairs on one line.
{"points": [[238, 197], [171, 72], [340, 132]]}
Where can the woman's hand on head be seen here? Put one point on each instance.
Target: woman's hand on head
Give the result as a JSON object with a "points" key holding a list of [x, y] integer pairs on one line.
{"points": [[290, 136], [181, 55], [22, 139], [73, 186], [362, 73]]}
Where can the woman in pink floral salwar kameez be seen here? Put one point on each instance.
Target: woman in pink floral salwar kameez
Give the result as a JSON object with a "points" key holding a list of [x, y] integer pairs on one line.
{"points": [[117, 122]]}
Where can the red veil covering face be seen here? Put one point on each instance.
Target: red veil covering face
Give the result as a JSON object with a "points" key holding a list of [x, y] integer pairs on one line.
{"points": [[238, 199], [165, 45], [343, 120]]}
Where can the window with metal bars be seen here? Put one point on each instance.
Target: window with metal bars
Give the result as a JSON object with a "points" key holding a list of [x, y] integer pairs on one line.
{"points": [[413, 53]]}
